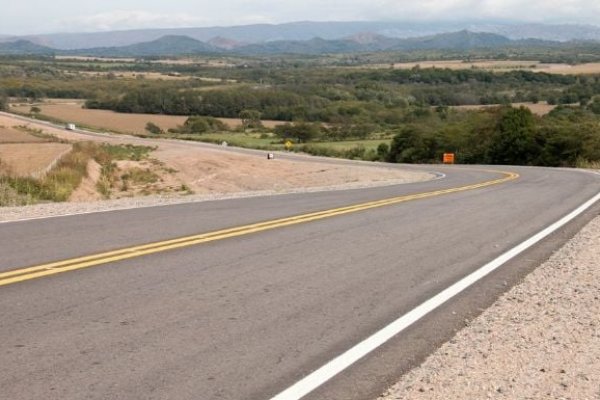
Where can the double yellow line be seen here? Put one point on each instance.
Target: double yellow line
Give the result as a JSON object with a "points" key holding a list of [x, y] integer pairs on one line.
{"points": [[25, 274]]}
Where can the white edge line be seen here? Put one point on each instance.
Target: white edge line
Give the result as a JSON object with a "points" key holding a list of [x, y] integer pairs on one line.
{"points": [[343, 361]]}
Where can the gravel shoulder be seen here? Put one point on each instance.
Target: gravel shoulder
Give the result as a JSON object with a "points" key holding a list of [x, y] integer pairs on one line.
{"points": [[540, 340]]}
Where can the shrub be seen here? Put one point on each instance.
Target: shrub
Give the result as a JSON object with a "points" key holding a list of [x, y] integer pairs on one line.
{"points": [[153, 128]]}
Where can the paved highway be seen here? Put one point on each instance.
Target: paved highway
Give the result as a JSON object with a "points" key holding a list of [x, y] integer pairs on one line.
{"points": [[250, 312]]}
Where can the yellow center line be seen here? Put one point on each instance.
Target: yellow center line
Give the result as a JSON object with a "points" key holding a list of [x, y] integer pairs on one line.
{"points": [[24, 274]]}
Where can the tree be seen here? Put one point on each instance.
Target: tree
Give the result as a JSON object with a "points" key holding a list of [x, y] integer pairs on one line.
{"points": [[383, 151], [300, 131], [197, 124], [412, 146], [594, 106], [513, 141], [250, 119]]}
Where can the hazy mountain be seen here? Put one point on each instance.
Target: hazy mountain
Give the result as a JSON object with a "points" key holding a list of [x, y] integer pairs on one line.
{"points": [[302, 31], [559, 33], [24, 47], [462, 40], [297, 31], [225, 43], [164, 46], [176, 45]]}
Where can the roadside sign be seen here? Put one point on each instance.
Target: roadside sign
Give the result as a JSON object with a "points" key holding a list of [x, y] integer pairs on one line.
{"points": [[289, 145], [448, 158], [270, 156]]}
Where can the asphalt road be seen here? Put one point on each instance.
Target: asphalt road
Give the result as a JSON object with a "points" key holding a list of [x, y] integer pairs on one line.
{"points": [[246, 317]]}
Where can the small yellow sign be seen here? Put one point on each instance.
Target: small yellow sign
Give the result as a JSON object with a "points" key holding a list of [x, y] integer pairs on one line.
{"points": [[288, 145]]}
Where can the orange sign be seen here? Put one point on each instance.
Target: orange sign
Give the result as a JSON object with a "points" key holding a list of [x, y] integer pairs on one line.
{"points": [[448, 158]]}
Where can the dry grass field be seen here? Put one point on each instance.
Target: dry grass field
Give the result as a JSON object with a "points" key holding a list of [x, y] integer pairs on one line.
{"points": [[12, 135], [566, 69], [25, 159], [118, 122], [502, 66], [459, 64], [87, 58], [136, 75], [210, 62], [540, 109]]}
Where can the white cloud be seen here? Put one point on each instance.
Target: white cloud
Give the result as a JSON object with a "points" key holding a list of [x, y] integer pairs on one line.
{"points": [[130, 19]]}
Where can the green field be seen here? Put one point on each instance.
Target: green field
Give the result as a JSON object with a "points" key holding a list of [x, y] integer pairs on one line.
{"points": [[255, 141], [369, 144]]}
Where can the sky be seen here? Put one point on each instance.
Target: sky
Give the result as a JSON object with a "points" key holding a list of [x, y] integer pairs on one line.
{"points": [[19, 17]]}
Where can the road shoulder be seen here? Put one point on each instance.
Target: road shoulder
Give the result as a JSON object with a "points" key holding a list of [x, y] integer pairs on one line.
{"points": [[539, 340]]}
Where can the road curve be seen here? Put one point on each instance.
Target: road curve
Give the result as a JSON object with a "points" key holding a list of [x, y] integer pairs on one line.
{"points": [[248, 316]]}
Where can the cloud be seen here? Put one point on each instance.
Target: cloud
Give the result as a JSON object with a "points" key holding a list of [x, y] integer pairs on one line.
{"points": [[516, 10], [130, 19]]}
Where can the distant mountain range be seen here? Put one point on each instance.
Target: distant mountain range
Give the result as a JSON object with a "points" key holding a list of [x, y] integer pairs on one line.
{"points": [[178, 45], [303, 31], [24, 47]]}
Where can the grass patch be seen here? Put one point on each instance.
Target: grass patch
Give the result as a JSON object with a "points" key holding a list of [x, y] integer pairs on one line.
{"points": [[55, 186], [66, 176], [140, 176], [581, 163], [246, 140], [351, 144], [40, 134], [122, 152]]}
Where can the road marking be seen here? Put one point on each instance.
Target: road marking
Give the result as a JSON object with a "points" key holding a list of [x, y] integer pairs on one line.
{"points": [[234, 196], [24, 274], [343, 361]]}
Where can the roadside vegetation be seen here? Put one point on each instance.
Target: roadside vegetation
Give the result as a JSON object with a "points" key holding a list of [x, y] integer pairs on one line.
{"points": [[60, 182]]}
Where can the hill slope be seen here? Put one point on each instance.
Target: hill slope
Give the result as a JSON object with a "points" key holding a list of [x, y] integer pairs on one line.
{"points": [[24, 47]]}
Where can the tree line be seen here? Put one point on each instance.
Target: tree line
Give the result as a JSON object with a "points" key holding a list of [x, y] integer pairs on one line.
{"points": [[567, 137]]}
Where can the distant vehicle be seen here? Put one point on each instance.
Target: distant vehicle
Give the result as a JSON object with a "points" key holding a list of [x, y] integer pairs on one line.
{"points": [[70, 127]]}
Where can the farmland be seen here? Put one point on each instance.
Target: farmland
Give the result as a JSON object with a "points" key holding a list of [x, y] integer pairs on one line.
{"points": [[501, 66], [31, 158], [132, 123], [539, 109], [331, 106], [25, 152], [13, 135]]}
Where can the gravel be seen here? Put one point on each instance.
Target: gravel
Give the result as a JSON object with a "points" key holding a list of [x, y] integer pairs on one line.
{"points": [[45, 210], [541, 340]]}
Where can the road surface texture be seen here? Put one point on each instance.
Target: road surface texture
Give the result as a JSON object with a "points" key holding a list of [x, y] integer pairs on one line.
{"points": [[248, 316]]}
